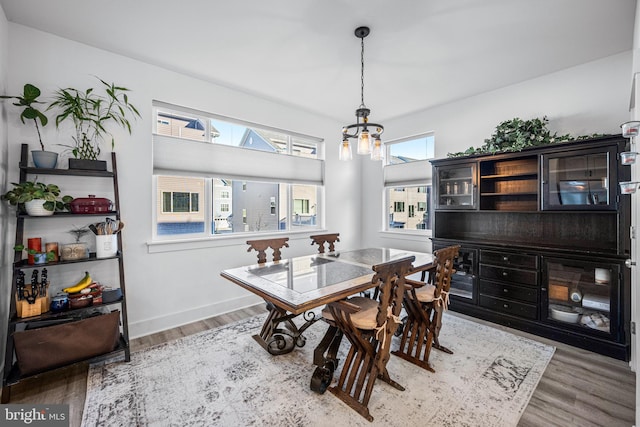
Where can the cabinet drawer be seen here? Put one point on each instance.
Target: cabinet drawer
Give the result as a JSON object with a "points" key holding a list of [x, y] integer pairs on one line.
{"points": [[509, 259], [505, 306], [512, 275], [509, 291]]}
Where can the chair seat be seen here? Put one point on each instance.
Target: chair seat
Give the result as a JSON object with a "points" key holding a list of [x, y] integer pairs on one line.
{"points": [[363, 319], [426, 293]]}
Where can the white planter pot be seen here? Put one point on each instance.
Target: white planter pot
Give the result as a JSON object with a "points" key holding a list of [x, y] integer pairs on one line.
{"points": [[36, 208]]}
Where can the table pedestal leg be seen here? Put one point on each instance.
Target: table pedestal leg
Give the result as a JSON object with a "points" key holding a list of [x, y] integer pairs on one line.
{"points": [[325, 357], [278, 340]]}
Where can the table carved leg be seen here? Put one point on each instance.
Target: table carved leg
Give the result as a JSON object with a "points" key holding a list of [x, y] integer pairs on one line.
{"points": [[325, 357], [279, 334]]}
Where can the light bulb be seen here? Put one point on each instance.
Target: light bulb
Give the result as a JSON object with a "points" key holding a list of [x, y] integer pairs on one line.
{"points": [[364, 144], [345, 150], [376, 151]]}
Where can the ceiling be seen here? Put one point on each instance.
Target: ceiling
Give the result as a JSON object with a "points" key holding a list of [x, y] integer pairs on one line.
{"points": [[304, 53]]}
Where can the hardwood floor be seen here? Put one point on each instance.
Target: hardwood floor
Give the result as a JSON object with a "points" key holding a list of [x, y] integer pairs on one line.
{"points": [[579, 388]]}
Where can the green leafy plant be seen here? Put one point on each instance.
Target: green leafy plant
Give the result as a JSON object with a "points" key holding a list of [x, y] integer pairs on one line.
{"points": [[27, 100], [516, 135], [90, 113], [27, 191], [51, 255]]}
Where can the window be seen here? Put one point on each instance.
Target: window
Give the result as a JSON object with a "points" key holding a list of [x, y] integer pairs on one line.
{"points": [[202, 187], [407, 184], [417, 205], [410, 149], [179, 209], [199, 126]]}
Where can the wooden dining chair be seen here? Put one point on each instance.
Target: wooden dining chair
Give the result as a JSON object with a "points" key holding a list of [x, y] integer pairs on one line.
{"points": [[261, 247], [369, 324], [322, 239], [424, 304]]}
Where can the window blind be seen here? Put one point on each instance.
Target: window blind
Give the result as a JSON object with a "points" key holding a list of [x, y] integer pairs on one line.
{"points": [[176, 156]]}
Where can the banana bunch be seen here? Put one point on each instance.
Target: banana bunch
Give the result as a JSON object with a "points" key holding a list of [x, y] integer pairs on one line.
{"points": [[86, 281]]}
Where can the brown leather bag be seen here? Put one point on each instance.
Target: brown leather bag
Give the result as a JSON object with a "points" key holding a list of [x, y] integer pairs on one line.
{"points": [[59, 345]]}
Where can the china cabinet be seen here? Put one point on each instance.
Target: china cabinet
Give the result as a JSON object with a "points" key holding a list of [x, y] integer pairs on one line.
{"points": [[544, 248], [42, 336]]}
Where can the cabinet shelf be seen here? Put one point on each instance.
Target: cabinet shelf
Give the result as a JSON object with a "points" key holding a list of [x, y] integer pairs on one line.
{"points": [[526, 175], [460, 178], [92, 257], [67, 214], [70, 172], [513, 193], [62, 315]]}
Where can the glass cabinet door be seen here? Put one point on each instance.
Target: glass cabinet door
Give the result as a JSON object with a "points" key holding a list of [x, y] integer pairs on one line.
{"points": [[581, 295], [456, 187], [463, 281], [580, 179]]}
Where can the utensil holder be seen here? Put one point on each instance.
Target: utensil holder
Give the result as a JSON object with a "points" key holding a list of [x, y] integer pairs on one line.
{"points": [[106, 245]]}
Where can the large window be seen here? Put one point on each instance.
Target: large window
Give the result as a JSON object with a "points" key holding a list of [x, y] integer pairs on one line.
{"points": [[407, 184], [201, 166]]}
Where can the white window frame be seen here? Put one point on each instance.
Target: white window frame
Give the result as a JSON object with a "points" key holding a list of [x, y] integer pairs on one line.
{"points": [[410, 174]]}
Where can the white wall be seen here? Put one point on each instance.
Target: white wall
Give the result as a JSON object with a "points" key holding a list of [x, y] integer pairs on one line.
{"points": [[590, 98], [5, 260], [167, 289]]}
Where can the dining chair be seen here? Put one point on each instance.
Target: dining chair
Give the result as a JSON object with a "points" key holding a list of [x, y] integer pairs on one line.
{"points": [[424, 304], [261, 247], [322, 239], [369, 325]]}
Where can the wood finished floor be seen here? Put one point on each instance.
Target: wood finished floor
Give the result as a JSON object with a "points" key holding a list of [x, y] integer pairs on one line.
{"points": [[579, 388]]}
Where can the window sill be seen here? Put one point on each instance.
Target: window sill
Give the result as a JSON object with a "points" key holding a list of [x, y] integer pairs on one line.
{"points": [[174, 245]]}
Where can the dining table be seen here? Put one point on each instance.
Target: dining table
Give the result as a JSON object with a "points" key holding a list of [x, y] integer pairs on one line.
{"points": [[295, 286]]}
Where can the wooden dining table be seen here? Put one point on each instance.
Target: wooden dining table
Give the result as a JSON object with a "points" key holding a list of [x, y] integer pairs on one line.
{"points": [[295, 286]]}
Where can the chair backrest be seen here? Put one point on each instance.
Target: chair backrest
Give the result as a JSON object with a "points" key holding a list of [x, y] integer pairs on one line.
{"points": [[321, 239], [262, 245], [390, 280], [444, 260], [390, 286]]}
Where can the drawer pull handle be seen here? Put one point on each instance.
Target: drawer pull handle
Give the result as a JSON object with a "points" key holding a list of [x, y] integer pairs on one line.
{"points": [[505, 258], [505, 290], [505, 305], [505, 274]]}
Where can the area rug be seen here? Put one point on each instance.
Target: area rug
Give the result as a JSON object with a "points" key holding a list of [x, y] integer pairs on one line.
{"points": [[222, 377]]}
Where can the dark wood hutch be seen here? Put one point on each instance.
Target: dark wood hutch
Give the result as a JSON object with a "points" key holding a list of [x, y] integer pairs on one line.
{"points": [[545, 233]]}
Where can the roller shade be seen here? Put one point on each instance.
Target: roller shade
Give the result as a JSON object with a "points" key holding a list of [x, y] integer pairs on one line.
{"points": [[176, 156], [418, 172]]}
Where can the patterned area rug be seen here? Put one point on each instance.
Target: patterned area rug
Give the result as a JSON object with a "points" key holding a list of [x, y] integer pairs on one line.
{"points": [[222, 377]]}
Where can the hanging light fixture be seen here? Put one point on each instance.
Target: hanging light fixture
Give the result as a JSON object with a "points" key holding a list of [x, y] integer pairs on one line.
{"points": [[368, 134]]}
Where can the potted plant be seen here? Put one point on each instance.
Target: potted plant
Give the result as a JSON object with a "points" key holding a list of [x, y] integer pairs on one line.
{"points": [[29, 97], [39, 257], [90, 113], [37, 198]]}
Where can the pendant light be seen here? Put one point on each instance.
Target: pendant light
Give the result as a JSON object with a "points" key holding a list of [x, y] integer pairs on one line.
{"points": [[368, 134]]}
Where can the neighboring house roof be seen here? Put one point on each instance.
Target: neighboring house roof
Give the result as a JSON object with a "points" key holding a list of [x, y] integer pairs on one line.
{"points": [[252, 139]]}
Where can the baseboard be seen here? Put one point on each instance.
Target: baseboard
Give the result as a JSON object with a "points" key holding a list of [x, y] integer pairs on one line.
{"points": [[173, 320]]}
